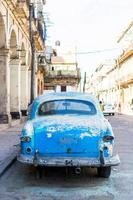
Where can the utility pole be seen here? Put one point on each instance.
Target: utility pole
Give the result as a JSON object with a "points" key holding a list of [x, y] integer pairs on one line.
{"points": [[84, 82], [31, 10]]}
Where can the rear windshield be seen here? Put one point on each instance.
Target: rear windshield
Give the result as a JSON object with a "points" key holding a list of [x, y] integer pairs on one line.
{"points": [[108, 106], [67, 107]]}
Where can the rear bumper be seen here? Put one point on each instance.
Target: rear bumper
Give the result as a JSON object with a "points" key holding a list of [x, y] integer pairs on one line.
{"points": [[108, 112], [65, 161]]}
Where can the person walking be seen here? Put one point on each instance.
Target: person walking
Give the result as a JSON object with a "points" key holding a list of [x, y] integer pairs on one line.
{"points": [[101, 105]]}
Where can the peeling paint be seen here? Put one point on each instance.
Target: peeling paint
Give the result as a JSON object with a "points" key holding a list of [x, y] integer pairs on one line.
{"points": [[62, 122], [51, 129], [85, 135], [49, 135]]}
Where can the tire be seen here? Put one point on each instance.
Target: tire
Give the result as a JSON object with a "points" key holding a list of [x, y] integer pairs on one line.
{"points": [[104, 171], [38, 173]]}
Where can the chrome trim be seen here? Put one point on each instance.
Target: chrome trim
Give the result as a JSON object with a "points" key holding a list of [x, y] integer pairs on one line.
{"points": [[69, 161]]}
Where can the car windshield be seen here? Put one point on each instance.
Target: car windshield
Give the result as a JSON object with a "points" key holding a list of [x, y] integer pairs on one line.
{"points": [[67, 106]]}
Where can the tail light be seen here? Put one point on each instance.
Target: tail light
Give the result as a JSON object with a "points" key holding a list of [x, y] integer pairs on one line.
{"points": [[108, 138], [25, 139]]}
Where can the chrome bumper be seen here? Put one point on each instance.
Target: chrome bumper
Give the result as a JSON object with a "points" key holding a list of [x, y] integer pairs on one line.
{"points": [[68, 161]]}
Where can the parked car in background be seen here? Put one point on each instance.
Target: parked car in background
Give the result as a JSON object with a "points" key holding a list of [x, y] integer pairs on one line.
{"points": [[108, 109], [68, 130]]}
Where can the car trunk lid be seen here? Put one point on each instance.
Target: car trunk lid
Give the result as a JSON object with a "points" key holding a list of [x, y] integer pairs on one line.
{"points": [[68, 135]]}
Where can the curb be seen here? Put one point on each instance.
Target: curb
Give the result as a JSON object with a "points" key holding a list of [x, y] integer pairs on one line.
{"points": [[8, 162]]}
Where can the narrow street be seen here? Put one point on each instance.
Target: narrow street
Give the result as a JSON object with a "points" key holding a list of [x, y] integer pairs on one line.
{"points": [[19, 181], [55, 58]]}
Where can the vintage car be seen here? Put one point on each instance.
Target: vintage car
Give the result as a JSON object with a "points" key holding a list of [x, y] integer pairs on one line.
{"points": [[68, 129], [108, 109]]}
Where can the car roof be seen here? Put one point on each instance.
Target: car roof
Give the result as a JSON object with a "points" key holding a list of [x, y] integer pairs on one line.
{"points": [[66, 95], [63, 95]]}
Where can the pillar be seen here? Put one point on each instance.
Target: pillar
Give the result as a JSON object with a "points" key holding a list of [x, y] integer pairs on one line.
{"points": [[36, 80], [4, 87], [15, 88], [29, 85], [36, 86], [24, 89]]}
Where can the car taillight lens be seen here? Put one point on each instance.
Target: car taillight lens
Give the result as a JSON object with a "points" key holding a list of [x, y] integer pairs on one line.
{"points": [[25, 139], [108, 138]]}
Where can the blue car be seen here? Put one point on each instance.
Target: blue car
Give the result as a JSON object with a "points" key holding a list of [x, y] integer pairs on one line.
{"points": [[68, 129]]}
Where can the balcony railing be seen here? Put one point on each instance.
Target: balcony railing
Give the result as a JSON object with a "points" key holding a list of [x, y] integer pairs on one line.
{"points": [[63, 74], [125, 79]]}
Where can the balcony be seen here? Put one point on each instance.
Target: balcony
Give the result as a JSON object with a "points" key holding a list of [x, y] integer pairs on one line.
{"points": [[125, 80], [127, 54], [59, 74], [40, 29], [22, 8], [38, 35]]}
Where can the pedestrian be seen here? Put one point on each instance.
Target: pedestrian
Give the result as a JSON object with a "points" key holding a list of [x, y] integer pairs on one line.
{"points": [[119, 108], [101, 105]]}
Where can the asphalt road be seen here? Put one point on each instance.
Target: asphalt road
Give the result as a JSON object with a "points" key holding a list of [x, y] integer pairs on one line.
{"points": [[19, 181]]}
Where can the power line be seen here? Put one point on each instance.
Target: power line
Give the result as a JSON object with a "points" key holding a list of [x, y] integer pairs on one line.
{"points": [[91, 52], [97, 51]]}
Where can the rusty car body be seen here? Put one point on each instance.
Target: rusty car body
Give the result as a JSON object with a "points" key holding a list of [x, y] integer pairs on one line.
{"points": [[68, 129]]}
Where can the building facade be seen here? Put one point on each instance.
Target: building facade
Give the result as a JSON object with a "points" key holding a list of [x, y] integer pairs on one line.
{"points": [[126, 70], [114, 83], [62, 75], [15, 58], [103, 82]]}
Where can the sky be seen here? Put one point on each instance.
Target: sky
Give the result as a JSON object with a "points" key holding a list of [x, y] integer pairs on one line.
{"points": [[89, 25]]}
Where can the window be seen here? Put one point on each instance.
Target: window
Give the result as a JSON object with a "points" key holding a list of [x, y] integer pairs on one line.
{"points": [[67, 106]]}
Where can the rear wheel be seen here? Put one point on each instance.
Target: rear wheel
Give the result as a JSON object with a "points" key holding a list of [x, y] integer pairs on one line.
{"points": [[38, 172], [104, 171]]}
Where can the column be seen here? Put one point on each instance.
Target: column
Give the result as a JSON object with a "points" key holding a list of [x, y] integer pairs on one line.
{"points": [[29, 85], [4, 87], [15, 88], [36, 79], [24, 89]]}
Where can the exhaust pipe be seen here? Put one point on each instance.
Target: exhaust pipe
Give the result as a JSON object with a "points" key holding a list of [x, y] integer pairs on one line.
{"points": [[77, 170], [35, 160]]}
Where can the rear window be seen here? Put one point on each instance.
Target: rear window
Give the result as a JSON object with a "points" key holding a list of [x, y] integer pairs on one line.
{"points": [[67, 107], [108, 106]]}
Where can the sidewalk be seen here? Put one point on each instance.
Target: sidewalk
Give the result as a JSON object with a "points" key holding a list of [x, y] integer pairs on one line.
{"points": [[9, 138]]}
